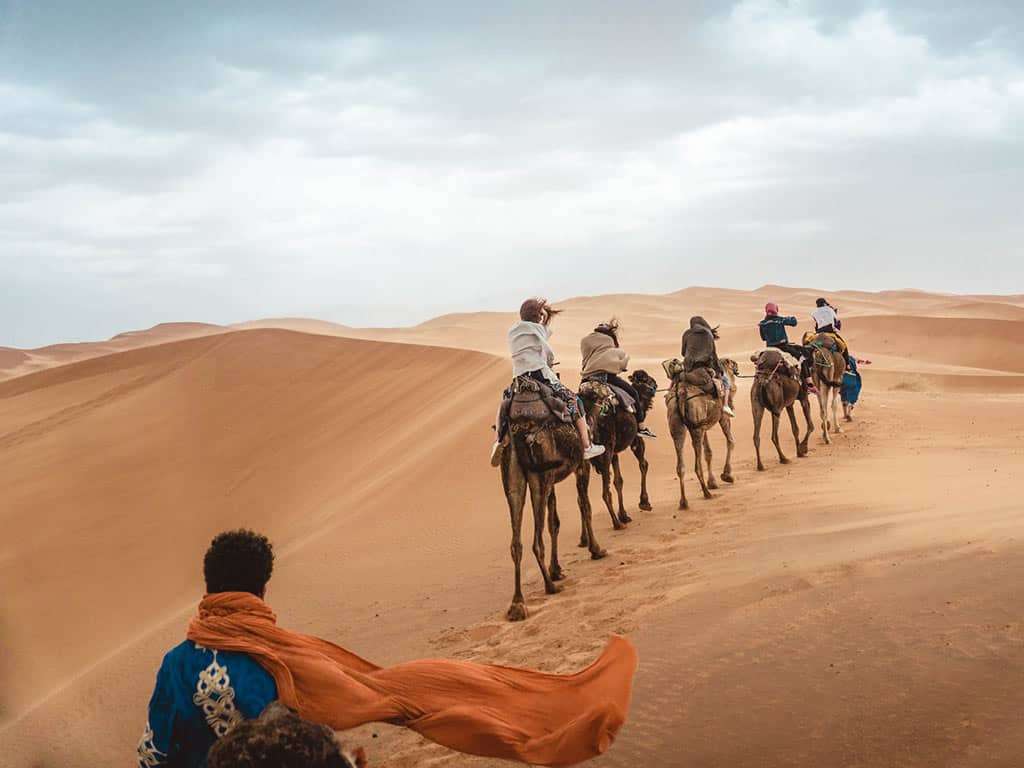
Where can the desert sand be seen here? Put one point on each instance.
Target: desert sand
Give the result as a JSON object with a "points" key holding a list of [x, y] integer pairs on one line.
{"points": [[859, 607]]}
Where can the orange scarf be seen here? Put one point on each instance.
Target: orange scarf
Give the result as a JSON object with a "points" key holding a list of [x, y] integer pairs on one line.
{"points": [[479, 709]]}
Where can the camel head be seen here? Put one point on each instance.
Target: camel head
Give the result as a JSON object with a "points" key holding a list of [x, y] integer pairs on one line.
{"points": [[646, 387]]}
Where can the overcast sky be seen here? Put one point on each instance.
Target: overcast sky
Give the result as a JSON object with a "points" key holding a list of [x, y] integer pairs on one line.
{"points": [[375, 163]]}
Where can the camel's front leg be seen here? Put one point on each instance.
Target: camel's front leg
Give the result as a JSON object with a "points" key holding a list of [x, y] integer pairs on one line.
{"points": [[540, 492], [805, 406], [554, 526], [603, 465], [835, 410], [791, 412], [640, 451], [680, 443], [623, 515], [758, 410], [775, 439], [515, 494], [712, 483], [587, 538], [823, 389], [730, 443], [697, 437]]}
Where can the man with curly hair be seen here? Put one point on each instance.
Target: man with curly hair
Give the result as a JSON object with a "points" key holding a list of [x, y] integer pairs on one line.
{"points": [[202, 694], [282, 739]]}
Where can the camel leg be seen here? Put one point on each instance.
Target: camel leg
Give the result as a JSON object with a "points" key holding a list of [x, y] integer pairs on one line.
{"points": [[805, 405], [603, 465], [730, 443], [697, 436], [712, 483], [515, 493], [775, 439], [640, 451], [680, 442], [791, 412], [835, 410], [587, 538], [623, 515], [823, 390], [554, 526], [758, 410], [540, 492]]}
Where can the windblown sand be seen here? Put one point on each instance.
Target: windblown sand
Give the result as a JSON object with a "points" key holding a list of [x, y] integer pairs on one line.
{"points": [[860, 607]]}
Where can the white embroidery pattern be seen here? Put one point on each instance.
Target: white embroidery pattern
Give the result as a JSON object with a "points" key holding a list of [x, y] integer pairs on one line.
{"points": [[149, 755], [215, 696]]}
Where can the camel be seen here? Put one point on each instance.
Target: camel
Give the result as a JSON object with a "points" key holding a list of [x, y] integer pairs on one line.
{"points": [[616, 429], [827, 369], [543, 451], [775, 388], [691, 409]]}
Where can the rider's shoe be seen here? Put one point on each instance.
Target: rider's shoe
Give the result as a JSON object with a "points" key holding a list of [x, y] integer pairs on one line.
{"points": [[593, 451], [496, 454], [728, 411], [645, 432]]}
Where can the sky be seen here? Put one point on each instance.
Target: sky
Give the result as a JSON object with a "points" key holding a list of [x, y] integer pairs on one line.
{"points": [[379, 163]]}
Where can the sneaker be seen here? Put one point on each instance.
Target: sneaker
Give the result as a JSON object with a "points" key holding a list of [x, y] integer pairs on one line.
{"points": [[593, 451], [728, 411], [645, 432], [496, 450]]}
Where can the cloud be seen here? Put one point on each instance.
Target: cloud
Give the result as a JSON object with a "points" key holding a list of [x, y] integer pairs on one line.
{"points": [[237, 162]]}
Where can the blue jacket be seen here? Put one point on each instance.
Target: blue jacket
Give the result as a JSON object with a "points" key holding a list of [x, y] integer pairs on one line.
{"points": [[199, 696], [773, 329]]}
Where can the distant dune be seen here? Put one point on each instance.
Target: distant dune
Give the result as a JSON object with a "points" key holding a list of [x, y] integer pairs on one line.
{"points": [[61, 354], [996, 345]]}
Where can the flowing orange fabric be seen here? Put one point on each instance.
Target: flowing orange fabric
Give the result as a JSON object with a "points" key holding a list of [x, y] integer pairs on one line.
{"points": [[479, 709]]}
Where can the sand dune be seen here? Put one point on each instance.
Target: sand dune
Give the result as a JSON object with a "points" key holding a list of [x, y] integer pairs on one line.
{"points": [[20, 362], [996, 345], [271, 429], [994, 310], [365, 461]]}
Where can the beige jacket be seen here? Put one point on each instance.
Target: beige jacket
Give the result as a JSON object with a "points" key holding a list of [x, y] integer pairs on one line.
{"points": [[600, 354]]}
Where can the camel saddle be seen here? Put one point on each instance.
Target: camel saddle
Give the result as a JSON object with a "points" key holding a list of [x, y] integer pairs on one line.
{"points": [[771, 362], [827, 341], [533, 401], [702, 379], [598, 389]]}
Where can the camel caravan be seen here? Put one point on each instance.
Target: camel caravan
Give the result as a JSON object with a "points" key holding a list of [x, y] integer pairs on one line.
{"points": [[547, 433]]}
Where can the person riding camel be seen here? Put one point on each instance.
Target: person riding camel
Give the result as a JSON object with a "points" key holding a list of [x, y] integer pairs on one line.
{"points": [[533, 357], [603, 359], [773, 333], [826, 320], [699, 351]]}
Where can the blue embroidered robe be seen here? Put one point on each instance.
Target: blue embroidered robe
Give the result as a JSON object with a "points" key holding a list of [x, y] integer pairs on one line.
{"points": [[199, 696]]}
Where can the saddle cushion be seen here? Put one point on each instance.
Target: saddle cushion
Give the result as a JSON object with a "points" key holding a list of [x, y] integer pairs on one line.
{"points": [[828, 341], [772, 361], [530, 400], [600, 393], [704, 380]]}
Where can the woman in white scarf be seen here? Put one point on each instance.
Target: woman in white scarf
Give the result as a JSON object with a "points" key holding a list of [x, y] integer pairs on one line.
{"points": [[532, 356]]}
